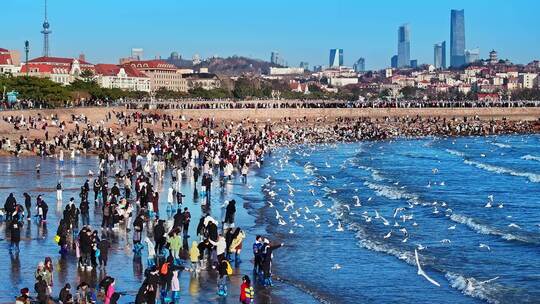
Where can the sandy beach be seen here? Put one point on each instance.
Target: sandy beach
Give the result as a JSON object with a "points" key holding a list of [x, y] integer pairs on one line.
{"points": [[258, 115]]}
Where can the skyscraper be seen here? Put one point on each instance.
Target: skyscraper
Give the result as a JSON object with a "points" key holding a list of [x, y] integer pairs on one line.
{"points": [[336, 58], [439, 55], [274, 58], [304, 65], [394, 62], [457, 38], [404, 46], [360, 65], [46, 31]]}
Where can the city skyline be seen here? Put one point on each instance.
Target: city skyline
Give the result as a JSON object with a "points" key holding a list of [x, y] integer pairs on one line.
{"points": [[251, 36]]}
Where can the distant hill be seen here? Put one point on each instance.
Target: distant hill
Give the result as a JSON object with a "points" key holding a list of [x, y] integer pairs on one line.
{"points": [[235, 66]]}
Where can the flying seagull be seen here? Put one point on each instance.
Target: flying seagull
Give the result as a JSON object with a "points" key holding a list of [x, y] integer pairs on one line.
{"points": [[421, 271]]}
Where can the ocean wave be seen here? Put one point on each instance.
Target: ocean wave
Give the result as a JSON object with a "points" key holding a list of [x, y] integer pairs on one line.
{"points": [[488, 230], [535, 178], [390, 192], [455, 153], [375, 174], [531, 157], [501, 145], [474, 288], [366, 242]]}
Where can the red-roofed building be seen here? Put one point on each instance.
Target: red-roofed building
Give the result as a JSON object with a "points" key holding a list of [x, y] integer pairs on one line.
{"points": [[9, 62], [60, 70], [488, 97], [162, 75], [296, 86], [123, 77]]}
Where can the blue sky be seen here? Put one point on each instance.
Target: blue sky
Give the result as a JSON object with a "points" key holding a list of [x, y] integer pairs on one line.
{"points": [[301, 30]]}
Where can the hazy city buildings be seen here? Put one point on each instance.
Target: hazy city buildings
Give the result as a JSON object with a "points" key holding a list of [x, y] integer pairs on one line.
{"points": [[360, 65], [336, 58], [286, 71], [439, 55], [472, 56], [457, 38], [275, 58], [404, 46], [304, 65]]}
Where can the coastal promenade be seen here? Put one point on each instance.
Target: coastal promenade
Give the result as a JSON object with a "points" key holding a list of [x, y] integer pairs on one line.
{"points": [[98, 113]]}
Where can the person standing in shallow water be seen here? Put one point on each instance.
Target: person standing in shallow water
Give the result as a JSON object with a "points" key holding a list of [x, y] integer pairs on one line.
{"points": [[59, 192], [15, 235], [27, 205]]}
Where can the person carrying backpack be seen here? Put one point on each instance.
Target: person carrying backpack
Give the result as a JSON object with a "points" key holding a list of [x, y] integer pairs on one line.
{"points": [[225, 270], [247, 293]]}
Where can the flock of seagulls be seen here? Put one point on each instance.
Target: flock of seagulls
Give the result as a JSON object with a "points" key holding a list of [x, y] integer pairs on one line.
{"points": [[295, 217]]}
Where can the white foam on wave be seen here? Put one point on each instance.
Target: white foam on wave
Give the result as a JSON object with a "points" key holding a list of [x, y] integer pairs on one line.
{"points": [[535, 178], [455, 153], [471, 287], [390, 192], [365, 242], [485, 229], [375, 174], [501, 145], [531, 157]]}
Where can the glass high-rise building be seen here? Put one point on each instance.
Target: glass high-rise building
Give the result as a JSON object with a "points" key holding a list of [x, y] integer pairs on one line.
{"points": [[439, 55], [360, 65], [336, 58], [404, 46], [457, 38], [393, 62]]}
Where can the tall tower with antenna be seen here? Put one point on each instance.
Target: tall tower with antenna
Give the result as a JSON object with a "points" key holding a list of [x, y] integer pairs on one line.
{"points": [[46, 31]]}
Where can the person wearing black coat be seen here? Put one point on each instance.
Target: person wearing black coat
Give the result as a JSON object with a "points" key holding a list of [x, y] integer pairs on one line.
{"points": [[9, 206], [41, 289], [267, 262], [159, 236], [27, 204], [65, 296], [212, 231], [62, 232], [178, 219], [15, 234], [84, 208], [103, 247], [230, 212]]}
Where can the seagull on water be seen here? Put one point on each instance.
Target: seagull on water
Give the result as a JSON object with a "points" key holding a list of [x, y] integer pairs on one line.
{"points": [[389, 234], [339, 227], [421, 271], [484, 246], [330, 224], [336, 267], [514, 226]]}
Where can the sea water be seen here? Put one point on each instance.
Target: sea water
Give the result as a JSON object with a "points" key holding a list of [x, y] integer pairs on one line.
{"points": [[469, 206]]}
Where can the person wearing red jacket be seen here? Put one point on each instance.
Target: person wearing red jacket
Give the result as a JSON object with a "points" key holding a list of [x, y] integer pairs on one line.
{"points": [[247, 293]]}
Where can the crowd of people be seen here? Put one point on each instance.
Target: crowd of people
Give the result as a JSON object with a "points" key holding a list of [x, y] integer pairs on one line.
{"points": [[134, 166]]}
